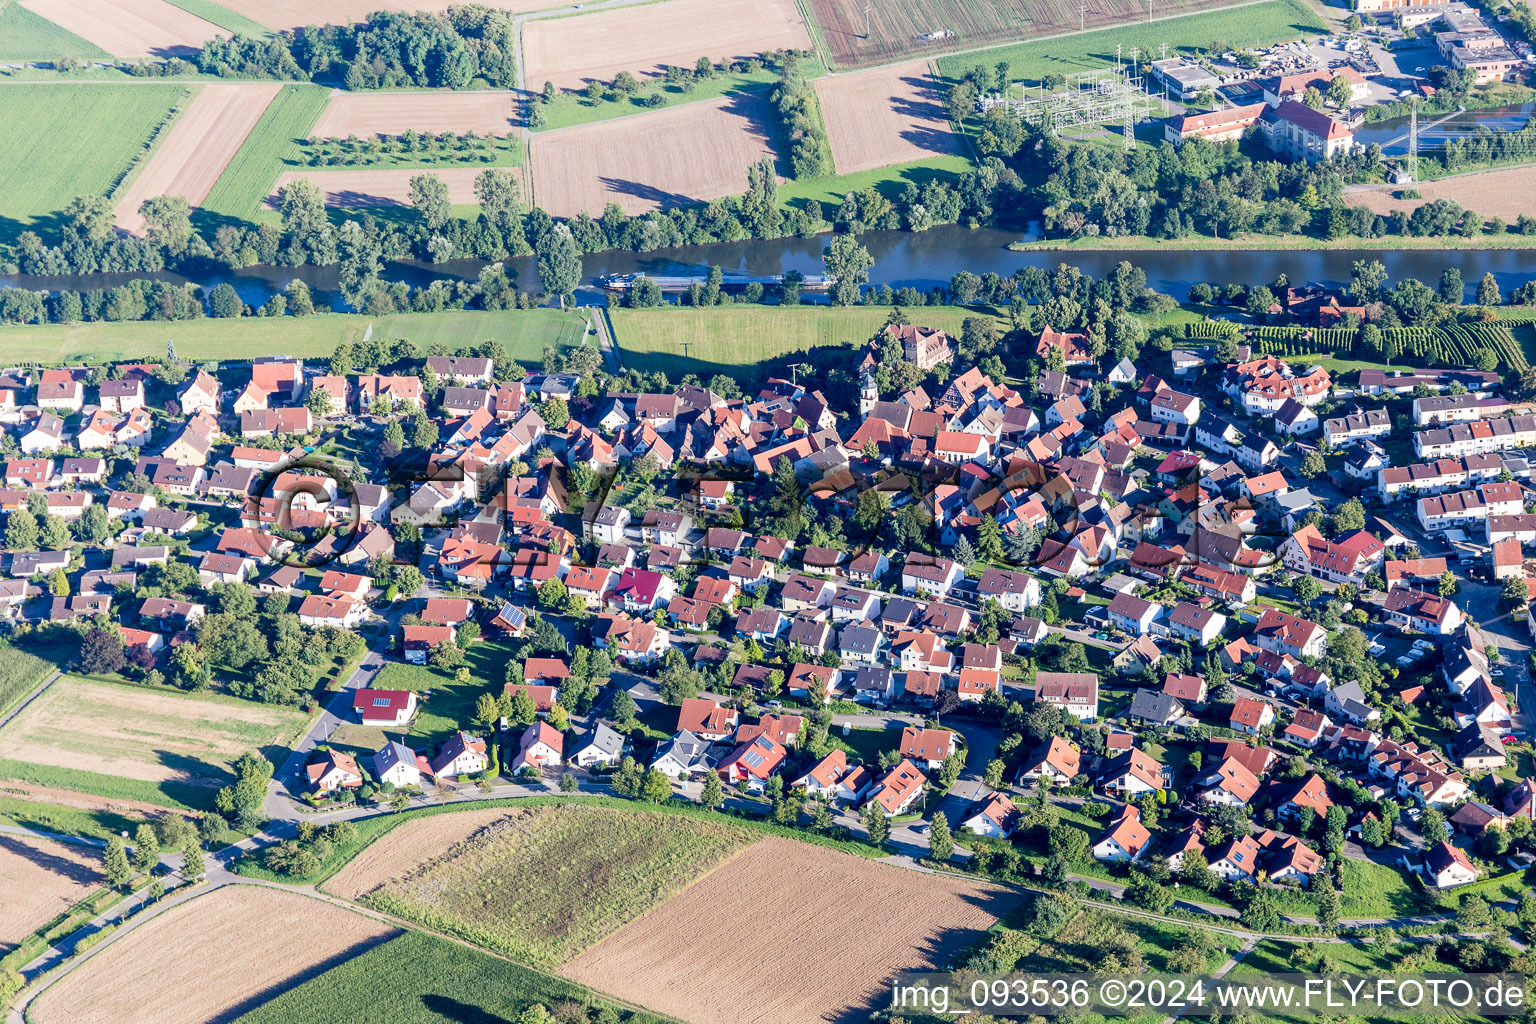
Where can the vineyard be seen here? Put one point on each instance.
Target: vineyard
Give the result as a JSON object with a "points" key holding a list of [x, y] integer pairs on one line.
{"points": [[1445, 345]]}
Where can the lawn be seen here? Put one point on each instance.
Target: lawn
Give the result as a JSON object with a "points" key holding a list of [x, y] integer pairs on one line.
{"points": [[452, 704], [865, 745], [71, 139], [28, 36], [136, 742], [421, 979], [889, 181], [543, 885], [524, 332], [20, 673], [743, 339], [276, 139], [1253, 25]]}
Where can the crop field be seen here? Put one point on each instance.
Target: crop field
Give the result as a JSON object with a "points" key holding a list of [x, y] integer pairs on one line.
{"points": [[283, 14], [59, 141], [130, 28], [645, 39], [885, 116], [271, 145], [27, 36], [709, 148], [391, 113], [524, 332], [211, 958], [382, 186], [200, 145], [694, 955], [409, 846], [542, 884], [20, 674], [41, 880], [729, 339], [1505, 193], [418, 978], [136, 733], [1255, 24]]}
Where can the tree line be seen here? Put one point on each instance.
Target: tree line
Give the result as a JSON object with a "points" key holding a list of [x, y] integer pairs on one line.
{"points": [[451, 49]]}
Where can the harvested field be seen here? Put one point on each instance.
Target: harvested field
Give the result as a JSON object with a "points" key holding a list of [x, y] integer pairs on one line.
{"points": [[903, 28], [211, 958], [671, 961], [200, 145], [386, 186], [130, 732], [281, 14], [884, 116], [574, 51], [407, 847], [1507, 193], [539, 884], [391, 113], [709, 148], [41, 880], [130, 28]]}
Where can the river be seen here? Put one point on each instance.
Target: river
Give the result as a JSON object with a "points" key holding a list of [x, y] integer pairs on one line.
{"points": [[1393, 134], [923, 260]]}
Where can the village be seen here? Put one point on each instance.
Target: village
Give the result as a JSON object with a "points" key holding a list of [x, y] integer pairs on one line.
{"points": [[1200, 634]]}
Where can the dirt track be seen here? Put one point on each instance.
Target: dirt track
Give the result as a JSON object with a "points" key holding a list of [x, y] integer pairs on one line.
{"points": [[884, 116], [391, 113], [674, 157], [202, 142], [388, 186], [282, 14], [41, 880], [573, 51], [1507, 193], [208, 957], [130, 28], [829, 942]]}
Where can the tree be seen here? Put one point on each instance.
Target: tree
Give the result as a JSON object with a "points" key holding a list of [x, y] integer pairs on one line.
{"points": [[989, 539], [487, 710], [1306, 589], [146, 848], [627, 779], [524, 711], [429, 196], [876, 823], [1515, 592], [1452, 290], [102, 651], [963, 554], [559, 262], [1488, 290], [1341, 91], [93, 526], [1313, 465], [713, 796], [1348, 516], [21, 531], [55, 534], [657, 788], [993, 776], [1327, 900], [192, 866], [224, 301], [114, 862], [1448, 584], [624, 710], [552, 594], [318, 403], [849, 263], [555, 413], [941, 844], [1433, 828]]}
